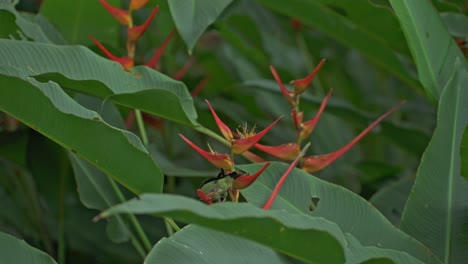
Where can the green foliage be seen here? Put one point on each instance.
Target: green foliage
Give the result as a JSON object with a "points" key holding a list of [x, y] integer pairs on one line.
{"points": [[70, 149]]}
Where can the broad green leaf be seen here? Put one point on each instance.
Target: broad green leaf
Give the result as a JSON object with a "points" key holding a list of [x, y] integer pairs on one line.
{"points": [[435, 213], [120, 154], [79, 69], [95, 192], [14, 250], [356, 253], [391, 199], [306, 194], [192, 17], [376, 20], [274, 228], [325, 19], [456, 24], [433, 49], [80, 18], [9, 17], [195, 244]]}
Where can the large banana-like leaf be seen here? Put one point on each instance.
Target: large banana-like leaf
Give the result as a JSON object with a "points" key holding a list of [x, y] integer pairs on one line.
{"points": [[192, 17], [310, 239], [13, 250], [309, 195], [436, 212], [79, 69], [433, 49], [45, 107], [275, 228]]}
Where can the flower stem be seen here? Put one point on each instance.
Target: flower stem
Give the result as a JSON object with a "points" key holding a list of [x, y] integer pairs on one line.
{"points": [[212, 134], [132, 218], [141, 127]]}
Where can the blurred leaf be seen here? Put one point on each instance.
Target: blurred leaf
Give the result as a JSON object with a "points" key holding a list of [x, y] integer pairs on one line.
{"points": [[376, 20], [195, 244], [14, 250], [325, 19], [375, 172], [435, 213], [274, 228], [350, 212], [79, 18], [77, 68], [433, 49], [9, 17], [192, 17], [456, 24], [78, 129], [391, 199]]}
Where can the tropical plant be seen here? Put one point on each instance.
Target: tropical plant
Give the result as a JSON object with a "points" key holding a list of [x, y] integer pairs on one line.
{"points": [[105, 105]]}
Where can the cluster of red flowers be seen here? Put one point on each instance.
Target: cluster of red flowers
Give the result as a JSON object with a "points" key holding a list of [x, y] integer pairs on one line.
{"points": [[242, 141]]}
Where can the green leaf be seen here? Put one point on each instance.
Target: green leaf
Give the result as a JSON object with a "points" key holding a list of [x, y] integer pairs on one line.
{"points": [[96, 193], [356, 253], [339, 27], [274, 228], [306, 194], [192, 17], [120, 154], [391, 199], [456, 24], [195, 244], [9, 17], [79, 69], [435, 213], [14, 250], [78, 19], [433, 49]]}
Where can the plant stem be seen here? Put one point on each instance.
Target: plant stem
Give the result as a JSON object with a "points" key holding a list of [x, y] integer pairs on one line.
{"points": [[141, 126], [212, 134], [168, 221], [132, 218], [172, 223]]}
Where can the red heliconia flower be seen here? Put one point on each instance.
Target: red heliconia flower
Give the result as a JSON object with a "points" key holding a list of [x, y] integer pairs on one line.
{"points": [[222, 161], [120, 15], [308, 126], [137, 4], [285, 175], [126, 62], [297, 118], [288, 95], [247, 138], [159, 51], [204, 197], [285, 151], [313, 164], [223, 128], [253, 157], [135, 33], [246, 180], [301, 85]]}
